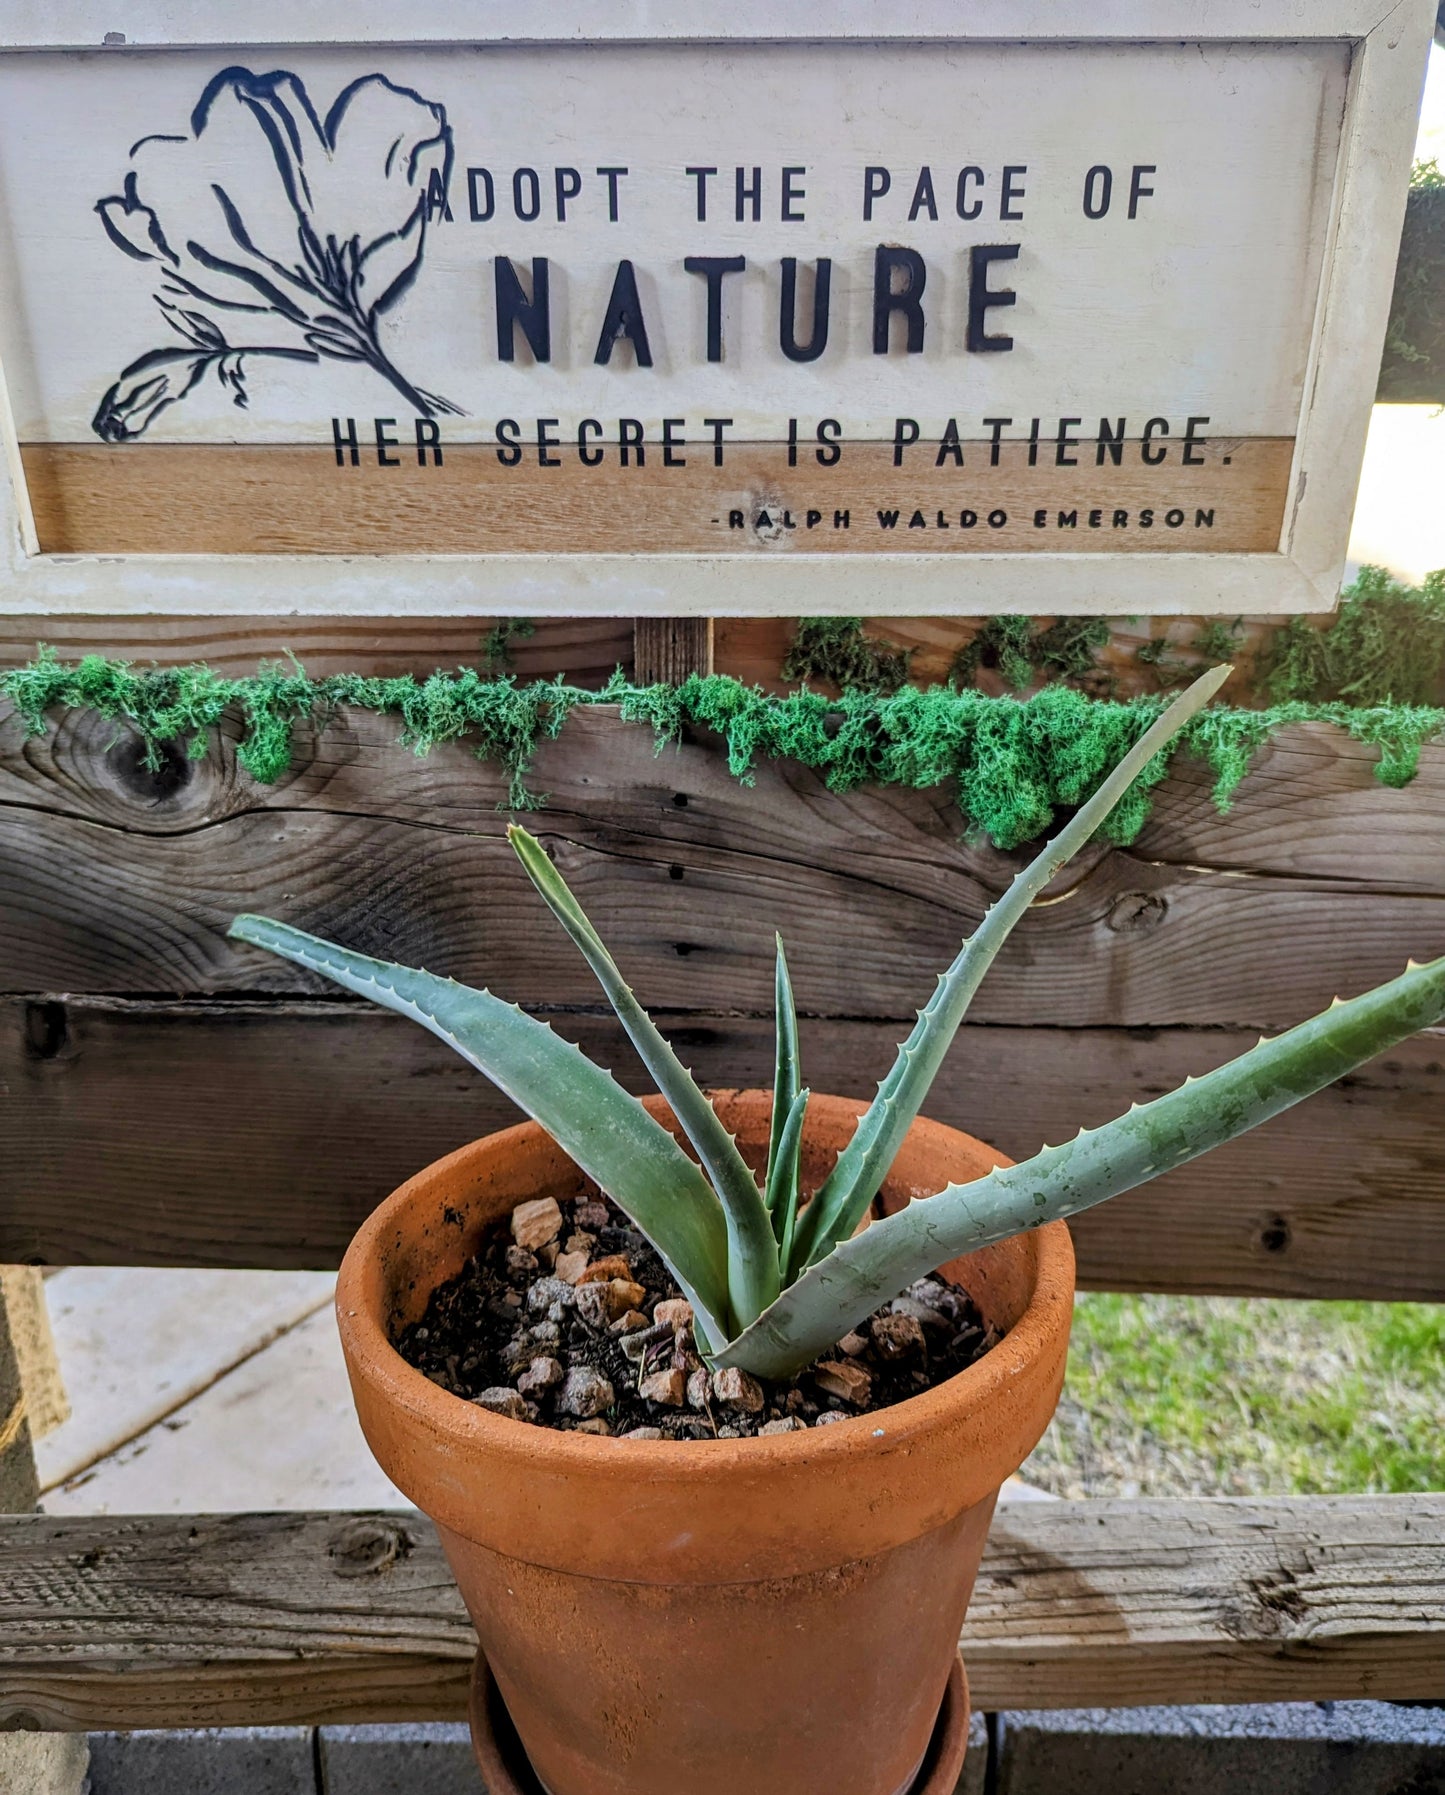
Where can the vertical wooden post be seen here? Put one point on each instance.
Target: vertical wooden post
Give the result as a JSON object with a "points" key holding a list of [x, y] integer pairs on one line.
{"points": [[19, 1487], [22, 1295], [30, 1763], [669, 648]]}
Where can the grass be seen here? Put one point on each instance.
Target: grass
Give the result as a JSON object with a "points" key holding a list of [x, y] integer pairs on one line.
{"points": [[1169, 1396]]}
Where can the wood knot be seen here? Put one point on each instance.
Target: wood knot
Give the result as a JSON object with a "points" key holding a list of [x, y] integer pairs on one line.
{"points": [[766, 517], [1137, 912], [151, 775], [365, 1545], [1280, 1603]]}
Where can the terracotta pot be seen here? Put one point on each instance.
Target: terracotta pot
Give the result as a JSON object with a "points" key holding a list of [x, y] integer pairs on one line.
{"points": [[776, 1616]]}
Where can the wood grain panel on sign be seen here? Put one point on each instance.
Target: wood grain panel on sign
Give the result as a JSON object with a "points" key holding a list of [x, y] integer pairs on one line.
{"points": [[174, 498]]}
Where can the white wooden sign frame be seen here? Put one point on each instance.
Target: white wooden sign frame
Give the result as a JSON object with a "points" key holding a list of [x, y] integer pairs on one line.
{"points": [[1388, 42]]}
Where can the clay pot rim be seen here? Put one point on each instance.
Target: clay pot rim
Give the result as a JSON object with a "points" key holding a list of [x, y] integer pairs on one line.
{"points": [[889, 1429]]}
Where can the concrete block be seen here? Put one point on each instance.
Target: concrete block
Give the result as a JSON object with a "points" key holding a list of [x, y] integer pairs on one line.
{"points": [[263, 1760], [1295, 1748], [413, 1759]]}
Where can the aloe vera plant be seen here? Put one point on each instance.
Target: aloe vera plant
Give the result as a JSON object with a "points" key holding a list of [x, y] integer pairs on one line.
{"points": [[775, 1280]]}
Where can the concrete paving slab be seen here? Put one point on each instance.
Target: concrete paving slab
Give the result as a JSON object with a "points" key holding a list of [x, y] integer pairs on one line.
{"points": [[1295, 1748], [134, 1343], [237, 1761], [277, 1432], [1016, 1490], [44, 1764]]}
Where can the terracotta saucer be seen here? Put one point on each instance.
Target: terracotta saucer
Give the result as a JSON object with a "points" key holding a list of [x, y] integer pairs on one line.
{"points": [[506, 1770]]}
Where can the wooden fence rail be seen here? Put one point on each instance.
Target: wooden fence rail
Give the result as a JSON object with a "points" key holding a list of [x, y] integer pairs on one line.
{"points": [[245, 1114], [320, 1618]]}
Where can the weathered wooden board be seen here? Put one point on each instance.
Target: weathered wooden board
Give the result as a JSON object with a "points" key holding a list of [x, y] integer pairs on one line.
{"points": [[27, 1321], [30, 1764], [244, 1133], [341, 1617], [250, 1119], [269, 1619], [18, 1486], [1112, 1604], [586, 649], [117, 880]]}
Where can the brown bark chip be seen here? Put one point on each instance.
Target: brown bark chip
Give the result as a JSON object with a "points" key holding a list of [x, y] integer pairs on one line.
{"points": [[844, 1378]]}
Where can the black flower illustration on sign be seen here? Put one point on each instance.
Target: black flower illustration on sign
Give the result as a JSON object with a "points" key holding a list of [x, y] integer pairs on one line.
{"points": [[276, 232]]}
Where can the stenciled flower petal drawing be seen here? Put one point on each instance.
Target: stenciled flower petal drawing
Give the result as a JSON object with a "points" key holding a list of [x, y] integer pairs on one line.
{"points": [[161, 377], [144, 390], [133, 227], [404, 140], [310, 229]]}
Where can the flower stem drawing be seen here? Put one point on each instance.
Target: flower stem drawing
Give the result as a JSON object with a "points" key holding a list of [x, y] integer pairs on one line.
{"points": [[303, 233]]}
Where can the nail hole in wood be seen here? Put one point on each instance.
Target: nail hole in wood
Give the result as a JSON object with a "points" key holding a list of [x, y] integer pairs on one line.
{"points": [[1274, 1236], [47, 1029]]}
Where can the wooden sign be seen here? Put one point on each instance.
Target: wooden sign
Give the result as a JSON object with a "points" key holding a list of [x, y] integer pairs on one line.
{"points": [[706, 315]]}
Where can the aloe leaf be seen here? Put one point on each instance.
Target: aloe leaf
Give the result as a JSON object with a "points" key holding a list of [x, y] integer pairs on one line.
{"points": [[786, 1071], [783, 1175], [607, 1131], [753, 1279], [1151, 1139], [844, 1197]]}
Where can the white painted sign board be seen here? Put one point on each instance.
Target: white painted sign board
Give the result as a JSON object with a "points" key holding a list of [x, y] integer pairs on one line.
{"points": [[999, 307]]}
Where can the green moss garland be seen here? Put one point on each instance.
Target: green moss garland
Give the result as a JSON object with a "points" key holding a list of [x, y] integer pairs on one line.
{"points": [[1012, 762], [837, 648], [1384, 645]]}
